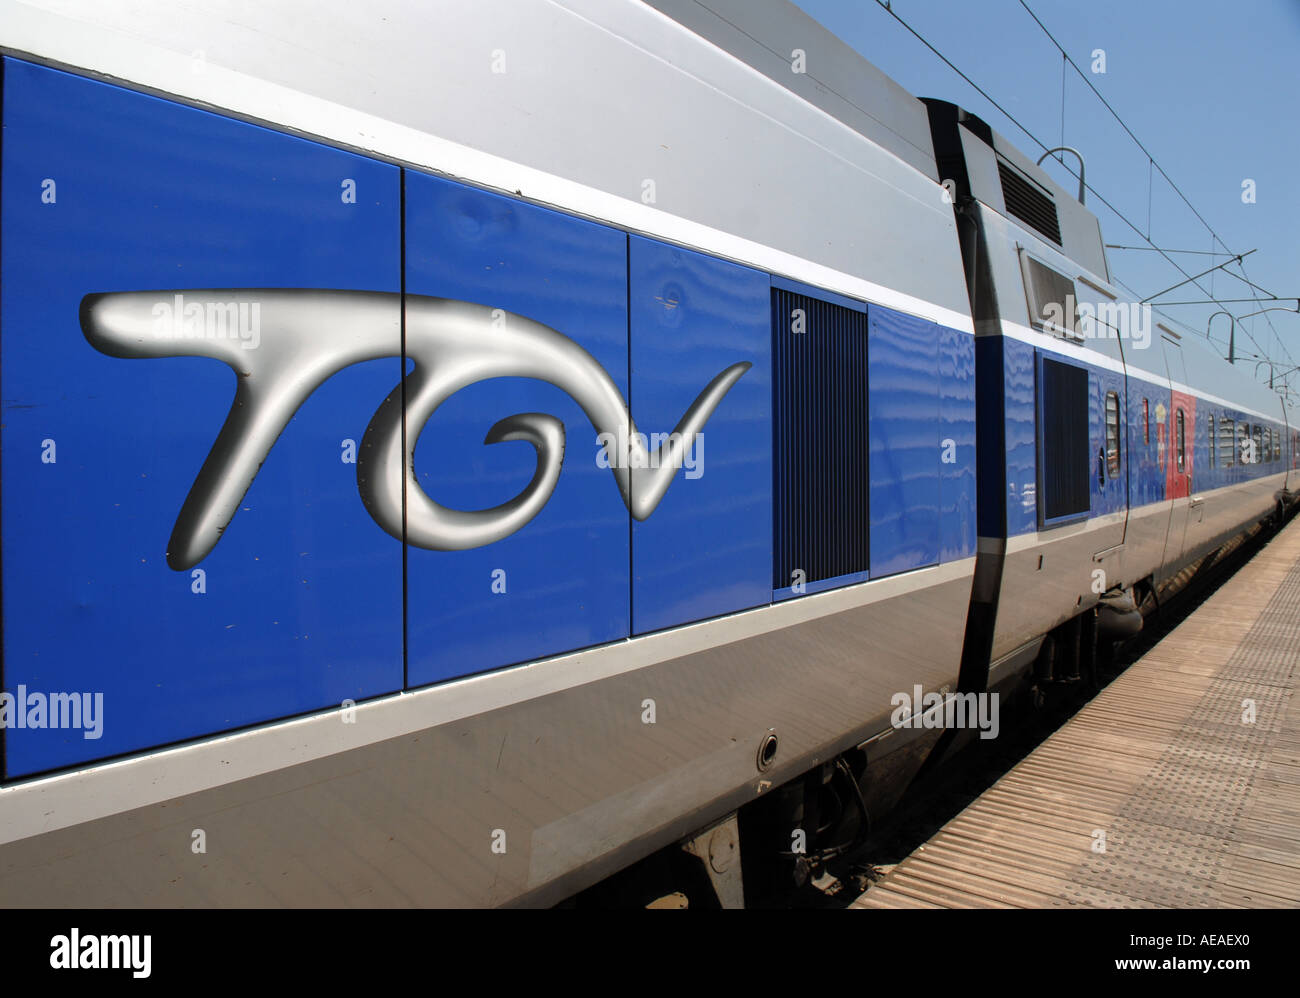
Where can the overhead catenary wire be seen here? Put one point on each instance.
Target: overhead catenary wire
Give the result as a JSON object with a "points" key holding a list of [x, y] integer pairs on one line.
{"points": [[1152, 249], [886, 6], [1191, 280], [1267, 317], [1151, 163]]}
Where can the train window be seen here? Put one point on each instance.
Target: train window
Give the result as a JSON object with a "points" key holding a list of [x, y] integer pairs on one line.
{"points": [[1181, 443], [1214, 457], [1259, 446], [1146, 423], [1277, 449], [1112, 435], [1064, 434], [1227, 441], [1051, 298]]}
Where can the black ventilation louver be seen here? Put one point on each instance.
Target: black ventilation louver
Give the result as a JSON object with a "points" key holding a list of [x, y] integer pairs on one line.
{"points": [[821, 449], [1030, 205], [1064, 433]]}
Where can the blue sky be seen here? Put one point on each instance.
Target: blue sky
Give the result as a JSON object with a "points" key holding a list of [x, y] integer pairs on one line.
{"points": [[1209, 87]]}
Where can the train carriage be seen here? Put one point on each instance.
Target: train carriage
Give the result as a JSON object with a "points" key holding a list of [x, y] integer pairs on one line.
{"points": [[449, 474]]}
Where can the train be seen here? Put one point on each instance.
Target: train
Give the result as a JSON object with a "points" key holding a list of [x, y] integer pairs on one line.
{"points": [[360, 540]]}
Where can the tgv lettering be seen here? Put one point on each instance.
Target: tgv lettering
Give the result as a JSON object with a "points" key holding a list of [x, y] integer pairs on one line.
{"points": [[307, 336]]}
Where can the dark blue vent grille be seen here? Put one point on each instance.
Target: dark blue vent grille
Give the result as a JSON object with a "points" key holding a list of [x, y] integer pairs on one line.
{"points": [[1066, 460], [820, 461]]}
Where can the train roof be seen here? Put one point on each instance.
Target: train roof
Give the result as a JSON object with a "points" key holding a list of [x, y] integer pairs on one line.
{"points": [[1208, 370], [841, 82], [834, 77]]}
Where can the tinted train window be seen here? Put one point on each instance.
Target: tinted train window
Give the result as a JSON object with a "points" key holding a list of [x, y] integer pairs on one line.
{"points": [[1181, 447], [821, 450], [1112, 435], [1214, 456], [1259, 446], [1146, 422], [1064, 432], [1227, 438], [1051, 298]]}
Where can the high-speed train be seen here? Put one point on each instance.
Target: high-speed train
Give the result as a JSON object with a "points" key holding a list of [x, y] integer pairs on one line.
{"points": [[455, 451]]}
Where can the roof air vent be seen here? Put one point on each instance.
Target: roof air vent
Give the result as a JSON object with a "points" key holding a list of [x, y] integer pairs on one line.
{"points": [[1027, 203]]}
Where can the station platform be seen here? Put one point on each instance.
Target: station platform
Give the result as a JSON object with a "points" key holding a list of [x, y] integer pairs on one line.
{"points": [[1185, 770]]}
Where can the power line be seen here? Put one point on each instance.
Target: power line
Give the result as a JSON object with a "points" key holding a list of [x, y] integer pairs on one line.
{"points": [[1267, 316], [1233, 301], [1190, 280], [1175, 321], [1151, 163], [885, 5], [1153, 249], [1115, 115]]}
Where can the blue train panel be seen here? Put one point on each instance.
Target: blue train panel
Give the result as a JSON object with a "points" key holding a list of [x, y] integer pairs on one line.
{"points": [[1148, 408], [1108, 484], [904, 407], [262, 604], [957, 454], [1019, 437], [1204, 470], [707, 547], [516, 328]]}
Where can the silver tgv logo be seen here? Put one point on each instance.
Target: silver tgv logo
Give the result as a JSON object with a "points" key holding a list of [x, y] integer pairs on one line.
{"points": [[303, 337]]}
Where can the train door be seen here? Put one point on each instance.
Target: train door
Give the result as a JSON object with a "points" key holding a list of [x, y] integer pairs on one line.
{"points": [[1109, 481], [1180, 433]]}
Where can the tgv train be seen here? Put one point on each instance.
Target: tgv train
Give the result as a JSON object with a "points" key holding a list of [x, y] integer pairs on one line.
{"points": [[450, 472]]}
